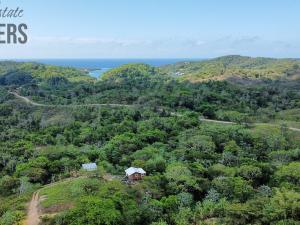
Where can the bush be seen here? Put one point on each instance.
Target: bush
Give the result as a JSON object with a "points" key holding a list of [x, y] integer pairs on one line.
{"points": [[9, 185]]}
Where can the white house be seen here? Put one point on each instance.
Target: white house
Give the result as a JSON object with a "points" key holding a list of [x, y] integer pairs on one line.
{"points": [[89, 166], [133, 173]]}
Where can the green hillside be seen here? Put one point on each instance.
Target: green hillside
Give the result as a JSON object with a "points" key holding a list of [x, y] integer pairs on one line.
{"points": [[226, 67], [130, 71], [13, 71], [214, 152]]}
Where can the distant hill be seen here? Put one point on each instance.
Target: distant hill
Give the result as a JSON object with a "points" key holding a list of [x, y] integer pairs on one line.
{"points": [[130, 71], [13, 70], [236, 68]]}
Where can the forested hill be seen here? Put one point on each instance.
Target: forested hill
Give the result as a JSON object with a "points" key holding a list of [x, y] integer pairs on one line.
{"points": [[141, 84], [21, 73], [199, 172], [131, 71], [239, 67]]}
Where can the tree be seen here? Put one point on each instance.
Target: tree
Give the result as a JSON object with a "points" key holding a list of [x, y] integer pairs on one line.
{"points": [[221, 170], [232, 147], [185, 199], [285, 204], [180, 178], [183, 217], [120, 145], [151, 136], [289, 173], [94, 211], [209, 209], [212, 195], [151, 211], [157, 164], [9, 185], [229, 159], [11, 217], [233, 188], [35, 169], [161, 222], [251, 173], [195, 147]]}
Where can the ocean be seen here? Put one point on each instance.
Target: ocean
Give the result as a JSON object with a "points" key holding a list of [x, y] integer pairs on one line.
{"points": [[97, 67]]}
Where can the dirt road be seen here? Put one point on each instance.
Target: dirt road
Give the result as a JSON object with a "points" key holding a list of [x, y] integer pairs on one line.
{"points": [[294, 129], [29, 101], [33, 215], [217, 121]]}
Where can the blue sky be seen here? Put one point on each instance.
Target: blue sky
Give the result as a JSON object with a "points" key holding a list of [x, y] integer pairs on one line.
{"points": [[157, 28]]}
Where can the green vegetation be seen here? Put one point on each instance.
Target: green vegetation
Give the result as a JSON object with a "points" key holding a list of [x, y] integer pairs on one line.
{"points": [[130, 71], [198, 172], [236, 66], [28, 73], [66, 193]]}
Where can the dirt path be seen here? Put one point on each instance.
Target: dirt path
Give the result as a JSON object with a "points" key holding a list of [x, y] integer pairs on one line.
{"points": [[29, 101], [294, 129], [232, 123], [255, 124], [33, 215], [33, 212], [217, 121]]}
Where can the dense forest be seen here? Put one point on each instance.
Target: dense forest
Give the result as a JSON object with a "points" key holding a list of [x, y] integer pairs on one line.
{"points": [[198, 171]]}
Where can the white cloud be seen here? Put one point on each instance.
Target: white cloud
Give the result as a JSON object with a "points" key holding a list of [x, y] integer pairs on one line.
{"points": [[95, 47], [84, 40]]}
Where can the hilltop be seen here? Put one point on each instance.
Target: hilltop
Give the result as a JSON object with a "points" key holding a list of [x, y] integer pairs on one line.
{"points": [[236, 68], [21, 73], [131, 71]]}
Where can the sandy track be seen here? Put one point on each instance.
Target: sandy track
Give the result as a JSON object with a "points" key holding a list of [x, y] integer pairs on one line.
{"points": [[33, 215]]}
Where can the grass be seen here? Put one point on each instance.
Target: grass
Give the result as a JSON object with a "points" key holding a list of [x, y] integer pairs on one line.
{"points": [[293, 124], [271, 128], [289, 117], [264, 128], [66, 192], [14, 207]]}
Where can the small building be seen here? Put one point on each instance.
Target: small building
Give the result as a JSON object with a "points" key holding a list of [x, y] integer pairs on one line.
{"points": [[89, 166], [134, 174]]}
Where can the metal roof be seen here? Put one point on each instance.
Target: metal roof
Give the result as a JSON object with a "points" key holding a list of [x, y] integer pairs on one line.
{"points": [[89, 166], [133, 170]]}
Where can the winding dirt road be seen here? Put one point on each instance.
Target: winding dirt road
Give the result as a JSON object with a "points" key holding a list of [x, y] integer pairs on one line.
{"points": [[255, 124], [33, 215], [294, 129], [29, 101]]}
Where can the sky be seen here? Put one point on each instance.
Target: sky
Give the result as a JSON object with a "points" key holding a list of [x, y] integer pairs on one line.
{"points": [[156, 28]]}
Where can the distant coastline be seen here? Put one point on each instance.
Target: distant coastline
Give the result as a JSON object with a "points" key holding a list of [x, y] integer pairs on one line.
{"points": [[94, 64], [96, 67]]}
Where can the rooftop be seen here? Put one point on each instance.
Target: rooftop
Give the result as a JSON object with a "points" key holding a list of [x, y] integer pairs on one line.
{"points": [[133, 170], [89, 166]]}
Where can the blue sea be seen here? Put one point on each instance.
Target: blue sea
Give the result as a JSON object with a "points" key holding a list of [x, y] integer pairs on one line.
{"points": [[97, 67]]}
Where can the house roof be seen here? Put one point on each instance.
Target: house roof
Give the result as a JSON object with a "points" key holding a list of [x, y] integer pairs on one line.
{"points": [[133, 170], [89, 166]]}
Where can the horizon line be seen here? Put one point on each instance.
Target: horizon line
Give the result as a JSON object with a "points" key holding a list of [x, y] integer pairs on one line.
{"points": [[145, 58]]}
